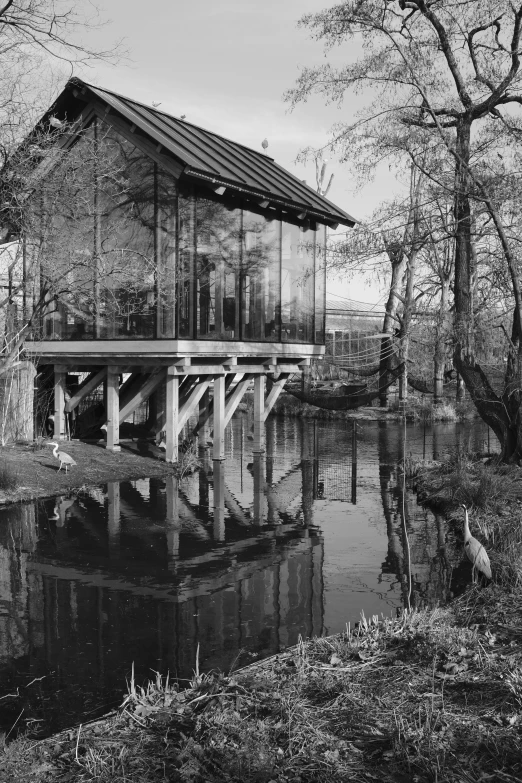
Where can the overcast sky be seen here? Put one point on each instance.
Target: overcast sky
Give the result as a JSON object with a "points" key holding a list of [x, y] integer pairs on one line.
{"points": [[225, 64]]}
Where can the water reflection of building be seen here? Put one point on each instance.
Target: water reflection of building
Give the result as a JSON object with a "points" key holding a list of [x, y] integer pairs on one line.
{"points": [[140, 573]]}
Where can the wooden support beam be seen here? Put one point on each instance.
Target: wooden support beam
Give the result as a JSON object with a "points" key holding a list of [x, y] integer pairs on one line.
{"points": [[150, 384], [113, 409], [60, 376], [172, 419], [130, 387], [204, 415], [186, 386], [259, 413], [191, 401], [204, 418], [275, 391], [91, 383], [219, 418], [236, 396]]}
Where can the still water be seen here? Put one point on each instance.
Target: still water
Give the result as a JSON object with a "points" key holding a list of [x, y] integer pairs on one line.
{"points": [[239, 559]]}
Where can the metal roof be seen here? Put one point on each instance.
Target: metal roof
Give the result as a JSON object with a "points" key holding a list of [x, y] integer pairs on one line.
{"points": [[210, 157]]}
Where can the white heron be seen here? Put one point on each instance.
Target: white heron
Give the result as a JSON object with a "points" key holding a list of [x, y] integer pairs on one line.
{"points": [[65, 459], [475, 550]]}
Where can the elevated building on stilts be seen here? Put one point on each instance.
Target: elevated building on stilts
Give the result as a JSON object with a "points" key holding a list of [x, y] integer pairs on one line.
{"points": [[176, 266]]}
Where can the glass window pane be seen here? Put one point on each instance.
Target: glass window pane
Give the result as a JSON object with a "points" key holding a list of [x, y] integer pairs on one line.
{"points": [[297, 284], [217, 266], [126, 264], [261, 277], [185, 270], [63, 224], [166, 205]]}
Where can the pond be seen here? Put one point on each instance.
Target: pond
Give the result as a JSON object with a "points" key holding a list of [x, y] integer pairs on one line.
{"points": [[230, 564]]}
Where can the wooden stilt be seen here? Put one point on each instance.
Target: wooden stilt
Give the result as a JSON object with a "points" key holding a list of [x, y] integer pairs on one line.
{"points": [[219, 417], [59, 401], [203, 428], [113, 409], [172, 422], [259, 413]]}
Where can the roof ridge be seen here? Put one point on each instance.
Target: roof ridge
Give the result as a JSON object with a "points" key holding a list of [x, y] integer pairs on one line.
{"points": [[153, 109]]}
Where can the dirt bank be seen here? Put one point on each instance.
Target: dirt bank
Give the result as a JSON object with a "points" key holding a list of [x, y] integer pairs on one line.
{"points": [[32, 471], [430, 696]]}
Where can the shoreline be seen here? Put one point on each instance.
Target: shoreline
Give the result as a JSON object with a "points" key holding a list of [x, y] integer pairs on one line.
{"points": [[35, 471]]}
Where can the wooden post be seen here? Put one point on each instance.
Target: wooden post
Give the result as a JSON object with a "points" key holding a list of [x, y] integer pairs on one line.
{"points": [[113, 409], [172, 415], [219, 418], [259, 413], [203, 429], [60, 375]]}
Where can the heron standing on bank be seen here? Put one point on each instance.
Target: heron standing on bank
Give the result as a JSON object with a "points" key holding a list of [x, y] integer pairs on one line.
{"points": [[65, 459], [475, 550]]}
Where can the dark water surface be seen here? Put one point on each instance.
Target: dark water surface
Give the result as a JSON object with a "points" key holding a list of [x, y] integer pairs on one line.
{"points": [[240, 558]]}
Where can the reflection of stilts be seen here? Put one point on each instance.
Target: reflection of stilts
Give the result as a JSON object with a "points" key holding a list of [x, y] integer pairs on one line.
{"points": [[259, 489], [114, 518], [219, 501], [172, 523], [307, 471], [354, 462]]}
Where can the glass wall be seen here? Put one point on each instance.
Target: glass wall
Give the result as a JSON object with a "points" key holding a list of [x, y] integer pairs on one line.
{"points": [[130, 254], [261, 277], [125, 251], [218, 270], [297, 284]]}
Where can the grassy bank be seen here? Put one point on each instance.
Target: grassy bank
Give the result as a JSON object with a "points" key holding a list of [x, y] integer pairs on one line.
{"points": [[429, 696], [29, 471]]}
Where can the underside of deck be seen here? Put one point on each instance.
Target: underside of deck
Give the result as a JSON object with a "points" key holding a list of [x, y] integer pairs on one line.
{"points": [[179, 377]]}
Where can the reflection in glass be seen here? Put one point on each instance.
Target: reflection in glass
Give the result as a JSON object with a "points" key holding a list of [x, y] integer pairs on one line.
{"points": [[260, 277], [297, 284], [185, 272], [218, 230]]}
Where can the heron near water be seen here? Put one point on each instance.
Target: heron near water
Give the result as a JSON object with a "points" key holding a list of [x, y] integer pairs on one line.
{"points": [[62, 456], [475, 550]]}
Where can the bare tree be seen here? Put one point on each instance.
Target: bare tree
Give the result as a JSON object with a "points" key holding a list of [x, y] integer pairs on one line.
{"points": [[449, 75]]}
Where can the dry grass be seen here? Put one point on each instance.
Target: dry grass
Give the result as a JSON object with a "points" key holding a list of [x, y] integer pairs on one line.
{"points": [[415, 698]]}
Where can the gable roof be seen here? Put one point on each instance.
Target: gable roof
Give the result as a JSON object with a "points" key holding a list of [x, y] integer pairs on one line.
{"points": [[205, 155]]}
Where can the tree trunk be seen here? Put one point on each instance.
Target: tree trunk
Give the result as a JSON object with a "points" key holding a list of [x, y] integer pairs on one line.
{"points": [[439, 362], [398, 261], [502, 411]]}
